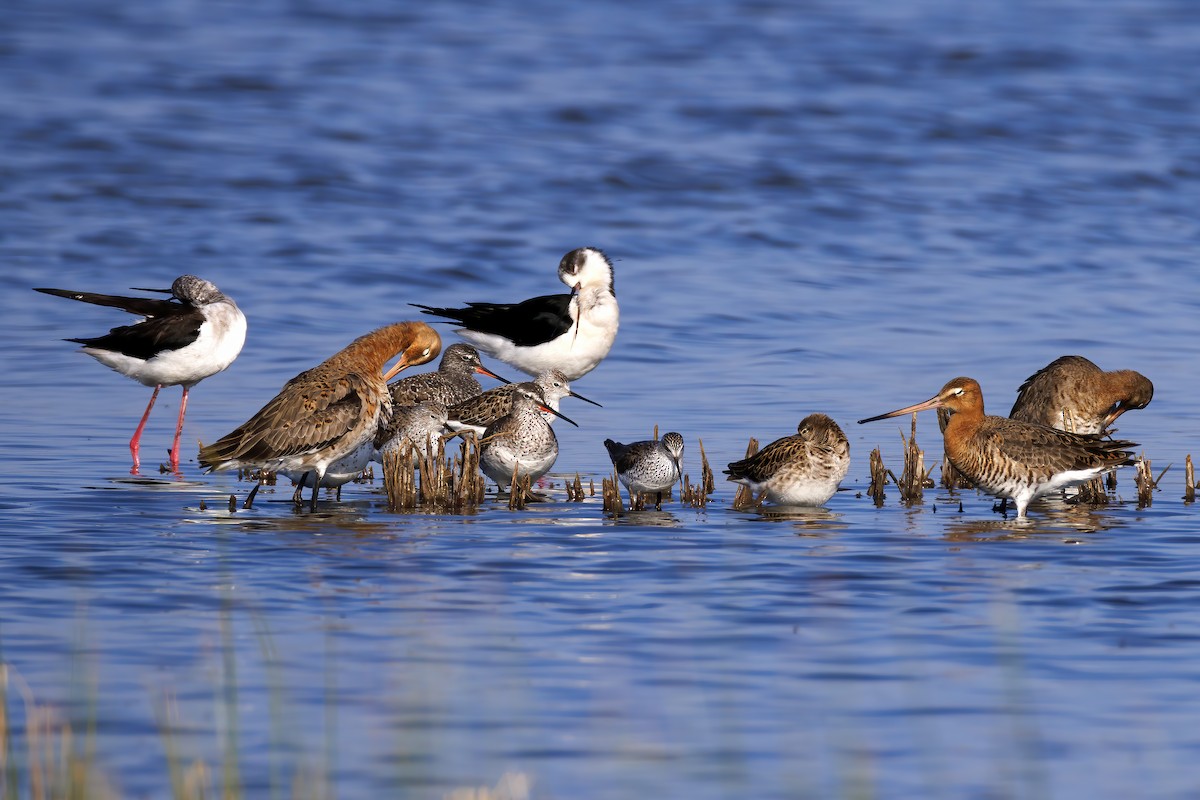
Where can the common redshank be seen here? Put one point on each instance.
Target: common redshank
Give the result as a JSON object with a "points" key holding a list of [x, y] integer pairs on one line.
{"points": [[476, 413]]}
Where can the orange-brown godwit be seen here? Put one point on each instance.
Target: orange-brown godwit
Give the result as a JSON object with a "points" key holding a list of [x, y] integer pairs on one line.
{"points": [[452, 382], [328, 412], [1012, 459], [521, 440], [648, 466], [180, 342], [1073, 394], [569, 332], [800, 470]]}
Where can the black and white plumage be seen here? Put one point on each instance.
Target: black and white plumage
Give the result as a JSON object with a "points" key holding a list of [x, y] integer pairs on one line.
{"points": [[649, 466], [179, 342], [568, 332]]}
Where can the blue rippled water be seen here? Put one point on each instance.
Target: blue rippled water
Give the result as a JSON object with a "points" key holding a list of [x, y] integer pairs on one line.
{"points": [[827, 207]]}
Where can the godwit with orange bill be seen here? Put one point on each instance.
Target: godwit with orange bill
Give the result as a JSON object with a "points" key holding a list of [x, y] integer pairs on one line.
{"points": [[648, 466], [328, 412], [1012, 459], [452, 382], [180, 342], [800, 470], [520, 441], [1073, 394], [569, 332]]}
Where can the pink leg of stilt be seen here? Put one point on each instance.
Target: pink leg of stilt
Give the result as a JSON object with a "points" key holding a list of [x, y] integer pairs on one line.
{"points": [[178, 432], [135, 442]]}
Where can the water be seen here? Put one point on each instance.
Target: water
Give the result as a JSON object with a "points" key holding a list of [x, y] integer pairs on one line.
{"points": [[832, 208]]}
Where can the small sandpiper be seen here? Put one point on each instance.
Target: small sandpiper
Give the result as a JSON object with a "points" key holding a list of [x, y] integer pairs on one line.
{"points": [[569, 332], [1073, 394], [649, 466], [328, 412], [478, 412], [417, 426], [452, 382], [182, 341], [800, 470], [520, 441], [1011, 459]]}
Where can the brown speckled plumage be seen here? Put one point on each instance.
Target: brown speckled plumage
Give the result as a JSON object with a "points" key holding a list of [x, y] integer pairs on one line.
{"points": [[452, 382], [325, 413], [1013, 459], [804, 469], [1072, 391]]}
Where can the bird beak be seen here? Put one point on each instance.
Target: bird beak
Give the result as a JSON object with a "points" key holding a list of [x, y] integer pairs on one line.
{"points": [[144, 289], [933, 402], [560, 416], [485, 371], [584, 399], [400, 365]]}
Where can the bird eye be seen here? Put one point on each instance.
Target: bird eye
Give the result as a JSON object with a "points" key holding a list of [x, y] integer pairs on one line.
{"points": [[425, 352], [958, 392]]}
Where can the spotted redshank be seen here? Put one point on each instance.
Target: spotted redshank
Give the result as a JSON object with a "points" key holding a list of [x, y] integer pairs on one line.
{"points": [[180, 342], [569, 332], [800, 470], [520, 441], [1012, 459], [1073, 394], [452, 382], [326, 413], [648, 466], [476, 413]]}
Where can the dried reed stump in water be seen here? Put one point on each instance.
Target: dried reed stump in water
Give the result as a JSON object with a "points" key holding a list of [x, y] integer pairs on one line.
{"points": [[575, 490], [879, 478], [431, 480], [1189, 481], [611, 490], [1092, 493], [744, 498], [913, 478], [1146, 482], [697, 496]]}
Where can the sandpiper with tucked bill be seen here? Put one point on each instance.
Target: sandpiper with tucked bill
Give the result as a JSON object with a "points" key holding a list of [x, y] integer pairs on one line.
{"points": [[568, 332], [179, 342], [800, 470]]}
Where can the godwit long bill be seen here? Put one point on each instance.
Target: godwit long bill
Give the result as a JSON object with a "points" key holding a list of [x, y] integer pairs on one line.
{"points": [[328, 412], [1013, 459], [180, 342]]}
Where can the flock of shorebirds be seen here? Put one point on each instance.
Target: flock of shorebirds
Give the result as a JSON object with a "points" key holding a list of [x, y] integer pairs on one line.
{"points": [[327, 423]]}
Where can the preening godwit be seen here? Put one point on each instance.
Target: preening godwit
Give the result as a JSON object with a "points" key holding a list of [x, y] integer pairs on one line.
{"points": [[800, 470], [180, 342], [478, 412], [520, 441], [1073, 394], [1012, 459], [568, 332], [452, 382], [649, 466], [328, 412]]}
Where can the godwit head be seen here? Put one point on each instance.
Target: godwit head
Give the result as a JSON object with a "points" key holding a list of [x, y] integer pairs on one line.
{"points": [[1071, 393]]}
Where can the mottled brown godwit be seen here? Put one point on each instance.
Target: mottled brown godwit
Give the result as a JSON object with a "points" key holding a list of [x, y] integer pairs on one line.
{"points": [[328, 412], [1073, 394], [800, 470], [1012, 459]]}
